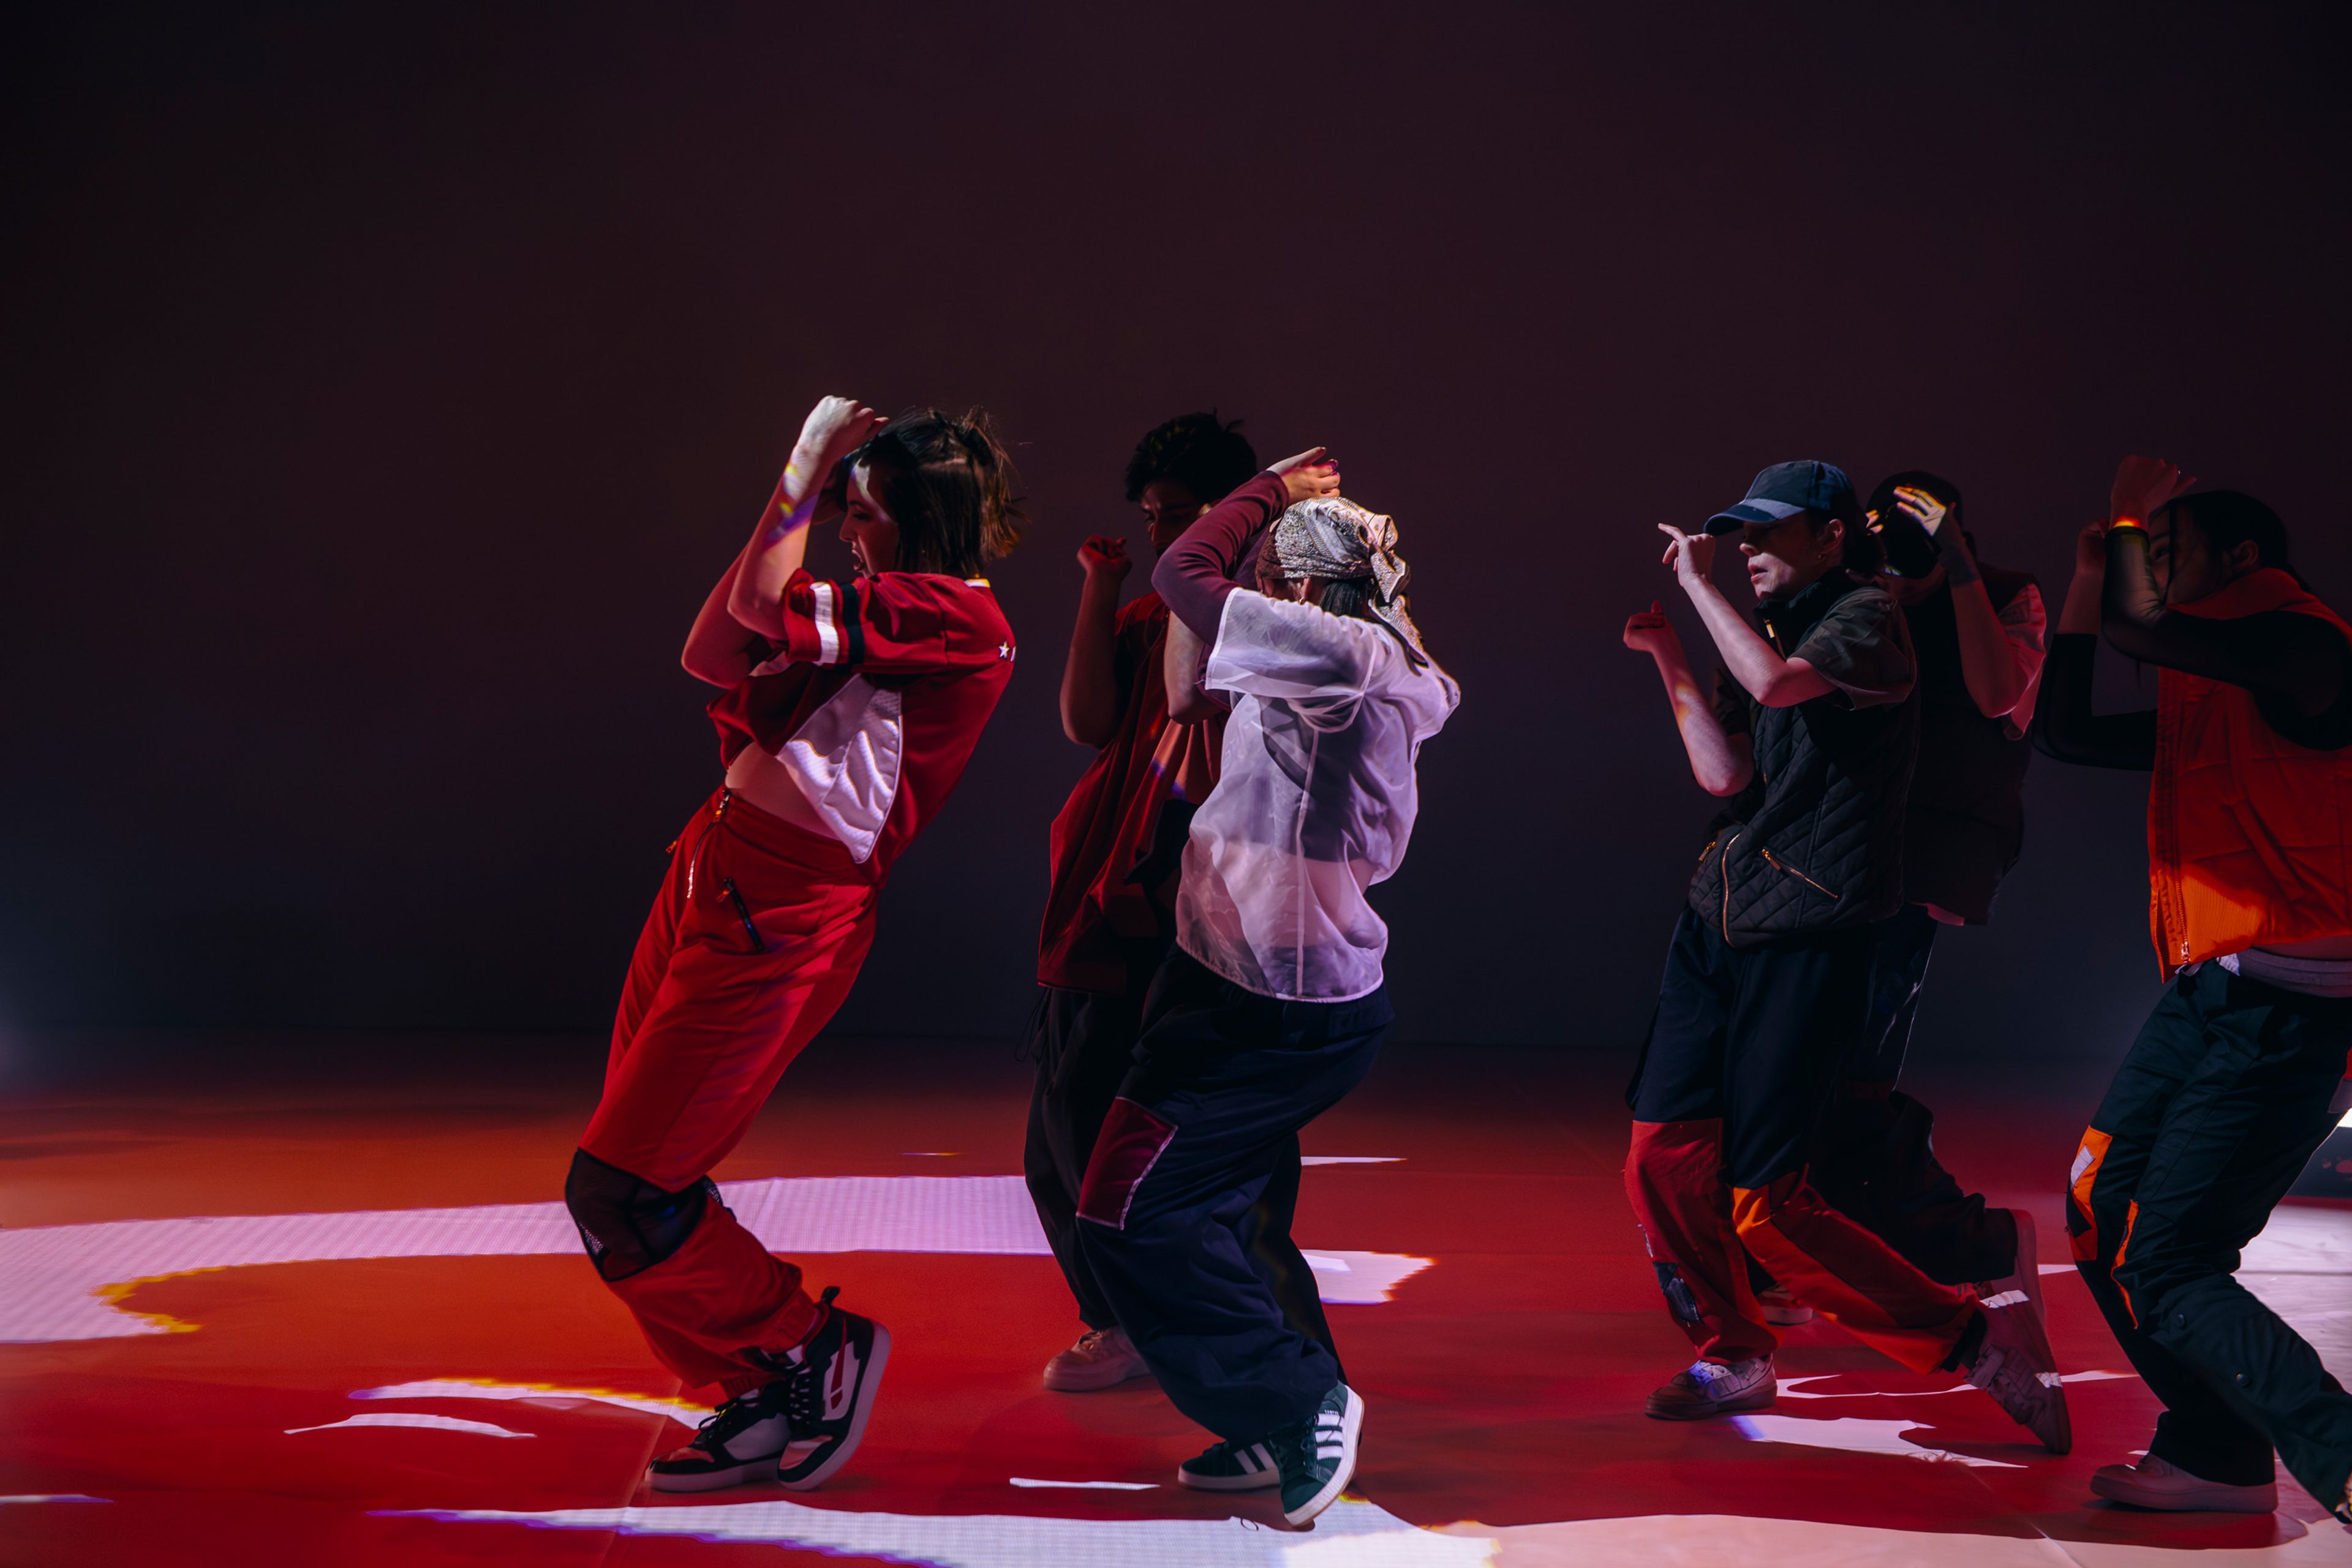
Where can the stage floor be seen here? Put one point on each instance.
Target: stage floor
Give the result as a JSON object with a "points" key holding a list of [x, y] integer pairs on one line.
{"points": [[311, 1301]]}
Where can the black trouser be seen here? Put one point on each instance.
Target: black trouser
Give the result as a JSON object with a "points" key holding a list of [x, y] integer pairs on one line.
{"points": [[1876, 1159], [1177, 1217], [1083, 1043], [2218, 1104]]}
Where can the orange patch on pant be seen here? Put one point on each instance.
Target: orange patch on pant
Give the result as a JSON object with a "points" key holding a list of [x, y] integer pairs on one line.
{"points": [[2088, 1163]]}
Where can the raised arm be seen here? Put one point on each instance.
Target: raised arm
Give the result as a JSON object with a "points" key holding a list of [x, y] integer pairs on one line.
{"points": [[1198, 570], [836, 428], [1777, 682], [721, 649], [2064, 726], [1183, 659], [1997, 663], [1722, 762], [1090, 693]]}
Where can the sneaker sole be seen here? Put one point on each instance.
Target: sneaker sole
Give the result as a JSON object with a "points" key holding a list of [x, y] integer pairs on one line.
{"points": [[1351, 1428], [716, 1478], [1256, 1483], [2211, 1497], [1094, 1379], [864, 1406], [1755, 1399]]}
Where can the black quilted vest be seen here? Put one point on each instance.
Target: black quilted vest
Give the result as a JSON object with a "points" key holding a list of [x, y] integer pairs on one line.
{"points": [[1815, 841], [1966, 821]]}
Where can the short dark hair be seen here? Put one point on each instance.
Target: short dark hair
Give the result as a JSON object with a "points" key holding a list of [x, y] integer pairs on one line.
{"points": [[948, 484], [2229, 518], [1861, 553], [1205, 455]]}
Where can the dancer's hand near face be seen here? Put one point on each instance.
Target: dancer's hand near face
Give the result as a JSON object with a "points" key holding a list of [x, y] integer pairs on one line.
{"points": [[1692, 555], [2143, 486], [1921, 508], [836, 428], [1103, 557], [1307, 475]]}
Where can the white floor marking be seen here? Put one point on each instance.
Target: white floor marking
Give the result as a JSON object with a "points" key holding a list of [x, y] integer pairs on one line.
{"points": [[1855, 1435], [1361, 1279], [1351, 1159], [411, 1419], [52, 1497], [56, 1281], [2051, 1267], [1089, 1486], [684, 1412], [1352, 1533]]}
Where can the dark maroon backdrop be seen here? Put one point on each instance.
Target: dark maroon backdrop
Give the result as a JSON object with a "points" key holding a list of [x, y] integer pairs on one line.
{"points": [[385, 387]]}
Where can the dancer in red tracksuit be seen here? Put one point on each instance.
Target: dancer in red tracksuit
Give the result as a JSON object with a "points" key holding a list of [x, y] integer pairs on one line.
{"points": [[851, 708]]}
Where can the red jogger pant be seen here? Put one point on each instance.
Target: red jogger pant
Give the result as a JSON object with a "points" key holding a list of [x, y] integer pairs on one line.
{"points": [[750, 948], [1741, 1059]]}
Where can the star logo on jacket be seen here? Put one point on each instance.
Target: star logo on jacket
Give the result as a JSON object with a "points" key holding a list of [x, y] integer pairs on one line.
{"points": [[1004, 651]]}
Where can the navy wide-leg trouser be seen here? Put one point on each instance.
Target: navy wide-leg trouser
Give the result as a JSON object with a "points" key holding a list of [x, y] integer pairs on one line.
{"points": [[1171, 1216]]}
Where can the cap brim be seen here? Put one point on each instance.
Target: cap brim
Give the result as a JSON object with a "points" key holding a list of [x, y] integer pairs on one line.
{"points": [[1747, 512]]}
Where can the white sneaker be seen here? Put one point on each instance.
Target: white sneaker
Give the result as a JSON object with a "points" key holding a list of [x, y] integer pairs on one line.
{"points": [[1101, 1359], [1708, 1388], [2153, 1483], [1781, 1310]]}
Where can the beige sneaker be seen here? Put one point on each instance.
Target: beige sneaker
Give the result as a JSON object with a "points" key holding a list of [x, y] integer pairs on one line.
{"points": [[1781, 1310], [1708, 1388], [2014, 1365], [2153, 1483], [1101, 1358]]}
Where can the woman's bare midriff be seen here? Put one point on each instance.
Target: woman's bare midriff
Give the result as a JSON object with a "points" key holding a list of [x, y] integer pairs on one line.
{"points": [[761, 780]]}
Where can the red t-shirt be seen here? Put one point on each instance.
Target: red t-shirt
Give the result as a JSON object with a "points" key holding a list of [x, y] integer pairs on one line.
{"points": [[875, 700], [1108, 883]]}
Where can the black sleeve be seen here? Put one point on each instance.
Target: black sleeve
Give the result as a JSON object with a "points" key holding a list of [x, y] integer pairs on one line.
{"points": [[2063, 725], [2298, 658]]}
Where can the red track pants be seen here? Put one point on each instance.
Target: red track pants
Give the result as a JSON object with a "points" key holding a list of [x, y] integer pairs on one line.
{"points": [[750, 948], [1742, 1056]]}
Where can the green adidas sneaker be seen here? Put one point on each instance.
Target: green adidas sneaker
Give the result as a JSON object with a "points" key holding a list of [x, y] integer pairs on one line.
{"points": [[1231, 1467], [1318, 1454]]}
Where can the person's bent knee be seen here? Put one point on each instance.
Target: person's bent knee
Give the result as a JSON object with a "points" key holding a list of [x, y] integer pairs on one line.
{"points": [[627, 1223]]}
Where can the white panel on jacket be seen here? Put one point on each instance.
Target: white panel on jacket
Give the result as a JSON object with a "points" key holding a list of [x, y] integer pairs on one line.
{"points": [[845, 758]]}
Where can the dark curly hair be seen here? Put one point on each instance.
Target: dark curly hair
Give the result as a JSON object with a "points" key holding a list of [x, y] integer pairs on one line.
{"points": [[2229, 518], [948, 483], [1199, 451]]}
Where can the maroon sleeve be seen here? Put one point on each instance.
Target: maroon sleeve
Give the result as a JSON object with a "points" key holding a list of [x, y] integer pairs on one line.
{"points": [[901, 623], [1198, 571]]}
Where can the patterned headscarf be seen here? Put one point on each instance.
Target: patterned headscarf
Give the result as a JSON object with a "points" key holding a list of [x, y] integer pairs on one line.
{"points": [[1331, 536]]}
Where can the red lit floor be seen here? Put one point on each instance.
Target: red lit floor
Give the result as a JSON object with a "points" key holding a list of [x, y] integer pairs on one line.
{"points": [[479, 1397]]}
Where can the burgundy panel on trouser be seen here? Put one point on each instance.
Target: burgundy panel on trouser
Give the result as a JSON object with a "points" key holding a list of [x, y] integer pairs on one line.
{"points": [[750, 949], [1848, 1275], [1674, 1178], [1130, 1142]]}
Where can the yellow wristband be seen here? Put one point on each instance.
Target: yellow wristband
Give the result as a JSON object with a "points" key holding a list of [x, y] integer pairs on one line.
{"points": [[2126, 522]]}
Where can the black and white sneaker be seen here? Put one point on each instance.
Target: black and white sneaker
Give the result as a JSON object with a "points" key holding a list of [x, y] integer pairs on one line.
{"points": [[1317, 1455], [1231, 1467], [741, 1441], [829, 1391]]}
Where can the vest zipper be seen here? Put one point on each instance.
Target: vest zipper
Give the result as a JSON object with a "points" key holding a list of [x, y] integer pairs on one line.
{"points": [[1726, 887], [1778, 864]]}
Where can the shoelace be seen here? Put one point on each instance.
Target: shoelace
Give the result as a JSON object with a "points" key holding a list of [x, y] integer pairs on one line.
{"points": [[805, 1383], [732, 1416]]}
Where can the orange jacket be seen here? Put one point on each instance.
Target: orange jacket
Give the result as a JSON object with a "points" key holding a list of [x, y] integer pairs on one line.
{"points": [[2245, 828]]}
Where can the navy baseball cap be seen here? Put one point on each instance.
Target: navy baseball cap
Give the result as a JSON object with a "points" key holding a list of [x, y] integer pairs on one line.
{"points": [[1784, 490]]}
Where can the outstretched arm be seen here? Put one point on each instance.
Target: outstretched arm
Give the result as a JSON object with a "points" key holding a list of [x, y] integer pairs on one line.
{"points": [[1777, 682], [1721, 761], [836, 428], [1091, 694]]}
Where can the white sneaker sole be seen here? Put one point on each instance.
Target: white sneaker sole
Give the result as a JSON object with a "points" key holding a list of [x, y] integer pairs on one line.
{"points": [[859, 1411], [718, 1477], [1351, 1428]]}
